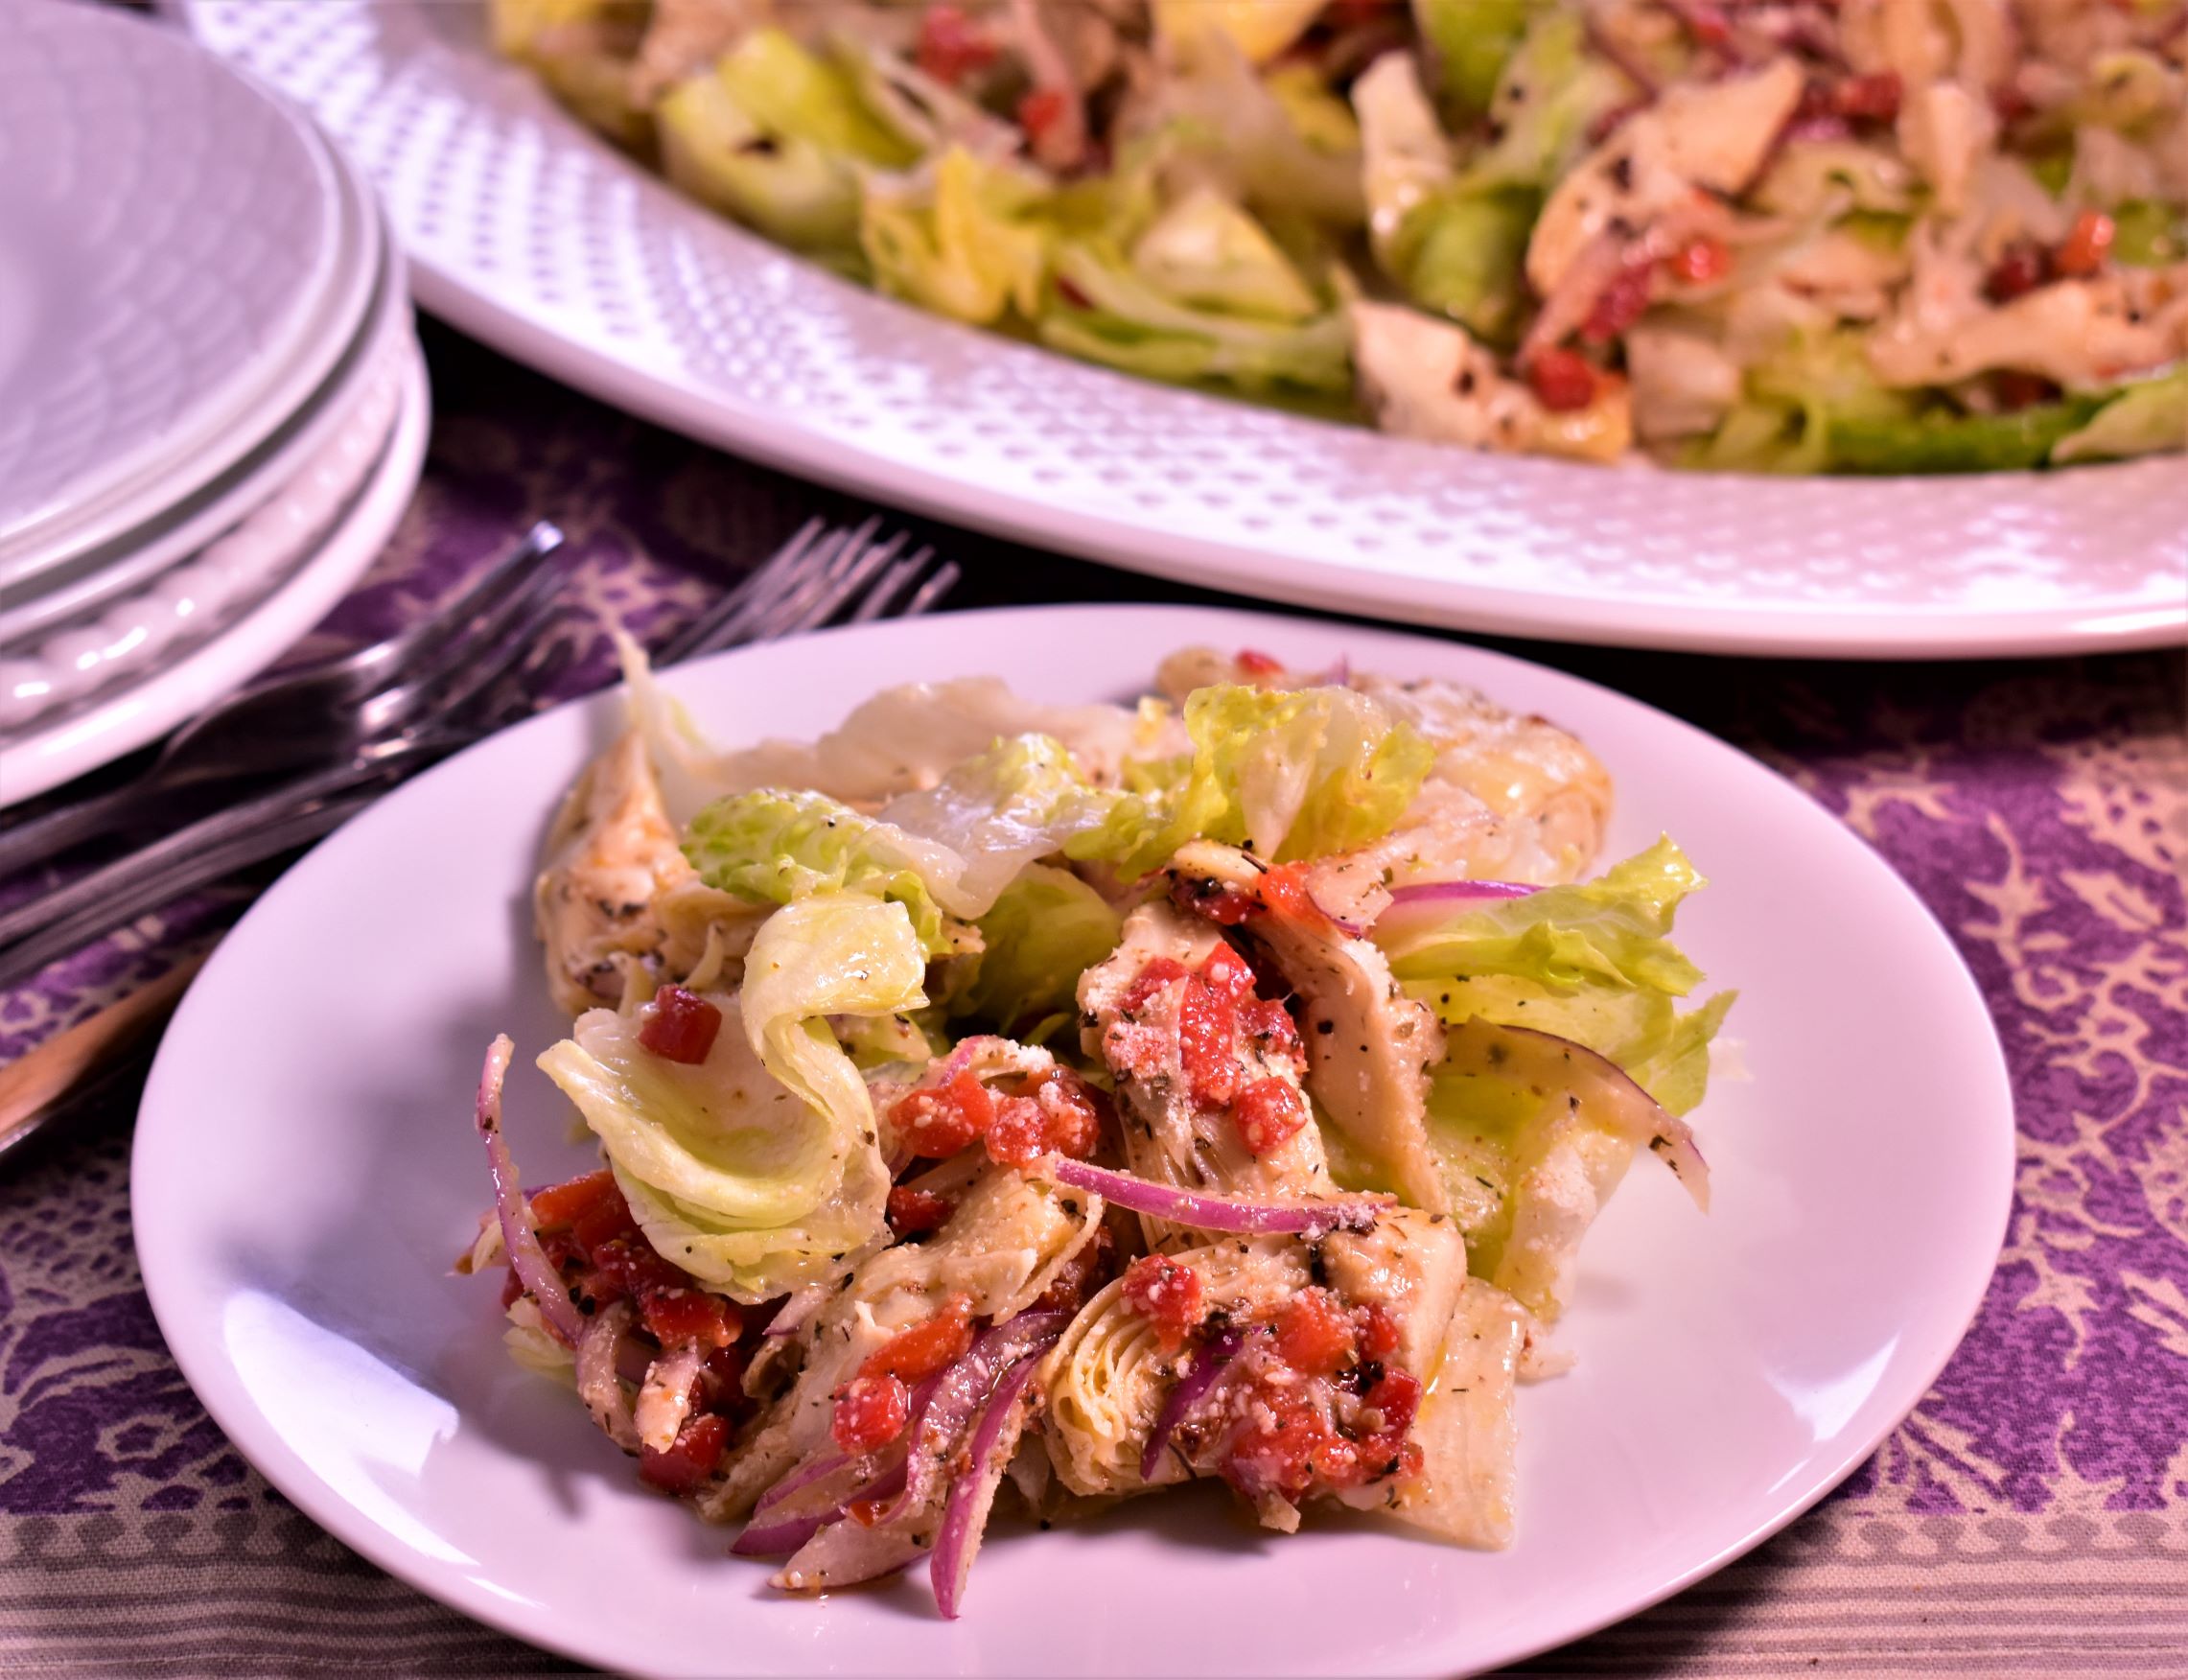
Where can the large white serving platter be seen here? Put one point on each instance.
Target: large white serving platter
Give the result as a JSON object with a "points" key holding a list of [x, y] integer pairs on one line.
{"points": [[544, 241], [306, 1172]]}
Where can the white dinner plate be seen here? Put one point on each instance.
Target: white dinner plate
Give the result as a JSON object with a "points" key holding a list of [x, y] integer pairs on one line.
{"points": [[143, 528], [305, 586], [173, 253], [306, 1172], [535, 236]]}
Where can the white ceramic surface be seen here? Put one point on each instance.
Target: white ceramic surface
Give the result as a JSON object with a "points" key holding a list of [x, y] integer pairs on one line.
{"points": [[80, 565], [530, 233], [170, 237], [133, 638], [105, 726], [297, 1208]]}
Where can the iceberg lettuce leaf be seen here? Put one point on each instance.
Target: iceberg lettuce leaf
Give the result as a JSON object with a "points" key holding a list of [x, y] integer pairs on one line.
{"points": [[1047, 929], [1296, 773]]}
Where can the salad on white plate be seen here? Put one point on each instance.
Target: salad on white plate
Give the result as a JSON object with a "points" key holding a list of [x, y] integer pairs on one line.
{"points": [[1004, 1105], [1852, 236]]}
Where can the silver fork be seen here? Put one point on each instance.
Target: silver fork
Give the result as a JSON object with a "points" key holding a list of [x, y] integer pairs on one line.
{"points": [[787, 595], [297, 719]]}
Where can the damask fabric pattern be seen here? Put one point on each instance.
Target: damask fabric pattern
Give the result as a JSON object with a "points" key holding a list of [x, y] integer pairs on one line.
{"points": [[2030, 1517]]}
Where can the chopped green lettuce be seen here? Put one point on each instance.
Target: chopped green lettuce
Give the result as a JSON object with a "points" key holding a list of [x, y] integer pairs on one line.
{"points": [[1104, 310], [1593, 961], [1941, 441], [2148, 234], [792, 190], [774, 846], [1208, 252], [1047, 929], [758, 1169], [792, 93], [1471, 40], [966, 242], [1294, 773], [2146, 418]]}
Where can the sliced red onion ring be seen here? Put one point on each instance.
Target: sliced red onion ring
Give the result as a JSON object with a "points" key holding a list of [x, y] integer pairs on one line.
{"points": [[526, 1258], [801, 1476], [1206, 1212], [1616, 1100], [938, 1424], [1458, 892], [1190, 1389], [783, 1532], [965, 1519]]}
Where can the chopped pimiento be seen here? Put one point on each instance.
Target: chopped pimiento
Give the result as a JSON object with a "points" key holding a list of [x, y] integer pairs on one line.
{"points": [[869, 1413], [917, 1354], [1269, 1113], [678, 1025], [2082, 253], [914, 1212], [1563, 380], [1315, 1333], [1207, 1042], [939, 1122], [1167, 1294]]}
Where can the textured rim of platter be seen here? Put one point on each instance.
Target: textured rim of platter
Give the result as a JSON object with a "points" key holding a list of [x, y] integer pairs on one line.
{"points": [[107, 726], [531, 234], [235, 419], [1859, 1207], [93, 576]]}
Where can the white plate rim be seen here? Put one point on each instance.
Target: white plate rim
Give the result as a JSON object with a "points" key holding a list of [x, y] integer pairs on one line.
{"points": [[1970, 1271], [46, 755]]}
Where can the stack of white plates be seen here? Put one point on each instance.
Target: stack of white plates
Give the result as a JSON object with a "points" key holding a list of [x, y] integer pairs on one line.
{"points": [[212, 407]]}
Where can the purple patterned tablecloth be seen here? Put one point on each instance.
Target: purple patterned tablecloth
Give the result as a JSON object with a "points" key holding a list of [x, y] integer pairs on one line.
{"points": [[2030, 1517]]}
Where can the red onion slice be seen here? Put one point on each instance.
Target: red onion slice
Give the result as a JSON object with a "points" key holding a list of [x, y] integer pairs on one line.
{"points": [[938, 1424], [1207, 1212], [966, 1517], [526, 1258], [782, 1533], [1208, 1366], [1458, 892]]}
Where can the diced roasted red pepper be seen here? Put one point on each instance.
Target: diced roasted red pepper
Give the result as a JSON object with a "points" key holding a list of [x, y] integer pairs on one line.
{"points": [[951, 46], [1040, 111], [1315, 1333], [1227, 971], [1617, 306], [723, 1382], [1276, 1451], [1080, 1275], [939, 1121], [1269, 1024], [1378, 1330], [1207, 1042], [1215, 900], [918, 1353], [1867, 99], [678, 1025], [1152, 977], [1267, 1114], [1018, 1135], [1167, 1294], [2022, 269], [869, 1413], [1284, 892], [1700, 261], [1562, 380], [2082, 253], [1254, 663], [913, 1211], [604, 1222], [679, 1316], [1397, 1396], [629, 1267], [1074, 1114], [559, 1206], [690, 1459]]}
